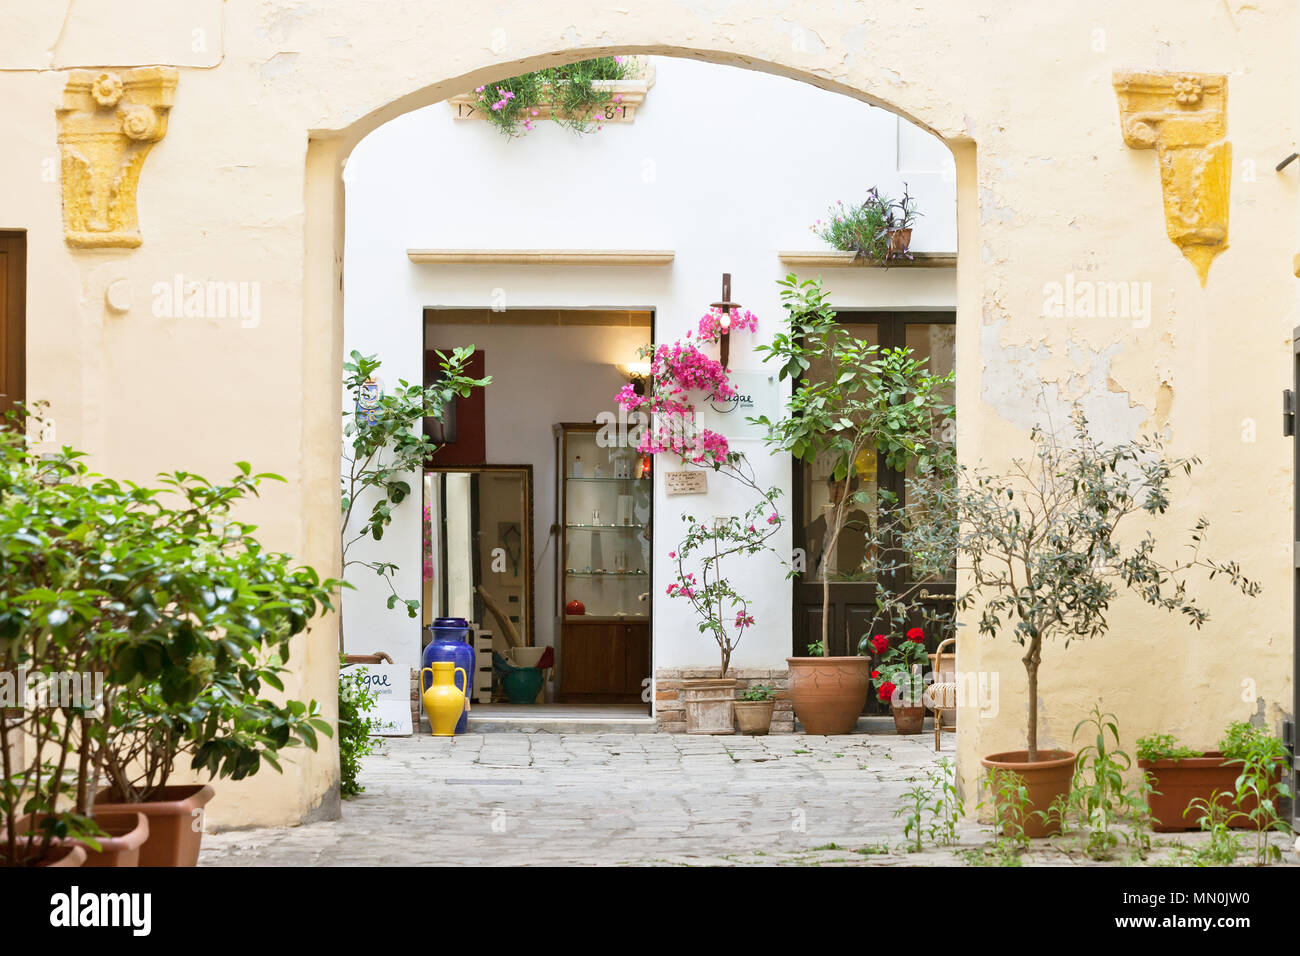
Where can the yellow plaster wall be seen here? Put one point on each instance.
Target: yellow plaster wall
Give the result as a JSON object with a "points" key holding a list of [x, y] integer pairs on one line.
{"points": [[245, 187]]}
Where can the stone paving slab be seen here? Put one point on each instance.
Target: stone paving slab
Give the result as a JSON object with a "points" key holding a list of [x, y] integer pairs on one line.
{"points": [[609, 799]]}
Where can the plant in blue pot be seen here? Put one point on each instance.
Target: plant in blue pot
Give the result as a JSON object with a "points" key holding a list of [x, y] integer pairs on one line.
{"points": [[450, 643]]}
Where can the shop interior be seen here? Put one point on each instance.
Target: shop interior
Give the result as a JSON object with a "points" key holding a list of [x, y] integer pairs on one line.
{"points": [[537, 517]]}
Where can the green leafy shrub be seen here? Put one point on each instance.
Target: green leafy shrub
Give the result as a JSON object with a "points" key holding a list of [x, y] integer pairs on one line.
{"points": [[167, 598], [1163, 747]]}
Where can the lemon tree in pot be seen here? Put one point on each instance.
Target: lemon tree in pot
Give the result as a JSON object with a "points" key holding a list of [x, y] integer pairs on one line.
{"points": [[1045, 556], [851, 404]]}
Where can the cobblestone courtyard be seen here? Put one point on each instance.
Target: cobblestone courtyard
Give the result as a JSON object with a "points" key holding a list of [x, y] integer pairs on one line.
{"points": [[528, 799]]}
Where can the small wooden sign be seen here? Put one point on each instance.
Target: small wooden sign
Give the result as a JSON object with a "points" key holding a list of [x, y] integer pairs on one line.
{"points": [[391, 714], [686, 483]]}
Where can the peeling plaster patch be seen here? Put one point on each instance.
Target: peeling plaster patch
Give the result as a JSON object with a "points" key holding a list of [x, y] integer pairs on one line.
{"points": [[1018, 384], [992, 209], [279, 65]]}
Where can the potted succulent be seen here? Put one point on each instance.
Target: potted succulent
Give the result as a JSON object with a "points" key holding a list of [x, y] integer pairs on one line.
{"points": [[897, 678], [872, 402], [1182, 778], [754, 709], [878, 229], [1046, 560]]}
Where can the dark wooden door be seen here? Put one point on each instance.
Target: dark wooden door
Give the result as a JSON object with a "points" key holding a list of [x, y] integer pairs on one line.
{"points": [[852, 603], [603, 661], [13, 319]]}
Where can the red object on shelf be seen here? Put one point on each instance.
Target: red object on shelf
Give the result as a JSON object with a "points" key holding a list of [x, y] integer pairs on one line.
{"points": [[575, 608]]}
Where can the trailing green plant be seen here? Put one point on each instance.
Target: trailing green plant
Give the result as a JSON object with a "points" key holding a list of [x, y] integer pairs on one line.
{"points": [[1047, 550], [866, 402], [356, 700], [385, 444], [568, 92], [1164, 747], [864, 228], [1099, 798], [1263, 759], [758, 692]]}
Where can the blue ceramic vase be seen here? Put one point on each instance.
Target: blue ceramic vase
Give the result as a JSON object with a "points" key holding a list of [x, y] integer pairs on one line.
{"points": [[450, 643]]}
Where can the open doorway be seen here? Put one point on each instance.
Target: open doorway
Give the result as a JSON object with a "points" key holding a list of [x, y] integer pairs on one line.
{"points": [[538, 526]]}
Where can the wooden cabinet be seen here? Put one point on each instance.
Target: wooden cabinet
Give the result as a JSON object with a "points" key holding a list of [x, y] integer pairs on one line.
{"points": [[603, 499]]}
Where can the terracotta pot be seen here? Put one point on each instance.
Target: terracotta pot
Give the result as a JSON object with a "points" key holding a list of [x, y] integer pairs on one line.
{"points": [[829, 693], [121, 847], [127, 833], [709, 704], [175, 823], [1182, 781], [899, 240], [754, 716], [66, 854], [908, 720], [1045, 779]]}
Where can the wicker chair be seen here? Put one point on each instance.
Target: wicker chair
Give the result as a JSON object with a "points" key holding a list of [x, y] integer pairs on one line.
{"points": [[941, 695]]}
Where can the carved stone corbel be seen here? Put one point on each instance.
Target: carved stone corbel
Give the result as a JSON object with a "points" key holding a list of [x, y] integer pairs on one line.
{"points": [[108, 122], [1183, 117]]}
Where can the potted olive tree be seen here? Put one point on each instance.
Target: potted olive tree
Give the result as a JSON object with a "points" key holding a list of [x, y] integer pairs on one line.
{"points": [[851, 402], [1046, 560]]}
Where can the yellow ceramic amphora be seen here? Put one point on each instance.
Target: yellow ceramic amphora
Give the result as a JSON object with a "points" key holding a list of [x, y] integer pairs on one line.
{"points": [[443, 700]]}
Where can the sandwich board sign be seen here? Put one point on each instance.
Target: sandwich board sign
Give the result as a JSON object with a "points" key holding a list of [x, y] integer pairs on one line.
{"points": [[391, 685]]}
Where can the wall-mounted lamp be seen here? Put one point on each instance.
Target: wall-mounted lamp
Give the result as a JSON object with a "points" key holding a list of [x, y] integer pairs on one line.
{"points": [[725, 307], [637, 373]]}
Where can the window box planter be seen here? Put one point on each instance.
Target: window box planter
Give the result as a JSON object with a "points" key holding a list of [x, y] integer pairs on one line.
{"points": [[631, 94], [1181, 781]]}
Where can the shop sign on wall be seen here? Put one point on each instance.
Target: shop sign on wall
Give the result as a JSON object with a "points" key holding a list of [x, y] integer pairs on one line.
{"points": [[757, 395], [686, 483]]}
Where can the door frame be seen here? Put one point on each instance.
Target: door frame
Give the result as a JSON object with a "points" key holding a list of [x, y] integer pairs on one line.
{"points": [[892, 326], [13, 318]]}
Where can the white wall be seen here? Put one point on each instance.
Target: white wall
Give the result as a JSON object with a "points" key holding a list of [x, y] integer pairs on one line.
{"points": [[724, 166]]}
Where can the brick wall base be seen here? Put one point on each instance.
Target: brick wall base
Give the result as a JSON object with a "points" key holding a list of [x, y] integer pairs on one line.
{"points": [[670, 712]]}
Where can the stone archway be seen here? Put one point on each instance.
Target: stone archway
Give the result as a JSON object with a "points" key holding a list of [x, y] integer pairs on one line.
{"points": [[327, 153]]}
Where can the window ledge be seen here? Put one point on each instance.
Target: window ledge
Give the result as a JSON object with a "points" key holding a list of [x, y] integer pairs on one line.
{"points": [[834, 259], [541, 257]]}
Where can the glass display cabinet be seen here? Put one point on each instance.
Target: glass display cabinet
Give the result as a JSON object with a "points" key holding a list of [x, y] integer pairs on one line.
{"points": [[603, 502]]}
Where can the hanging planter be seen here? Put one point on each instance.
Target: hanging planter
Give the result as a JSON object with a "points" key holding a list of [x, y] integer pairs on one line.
{"points": [[582, 96]]}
